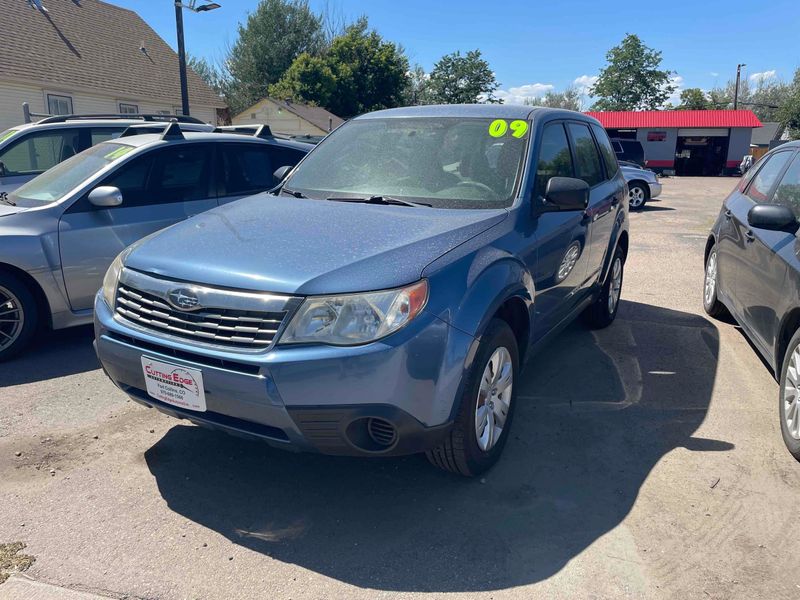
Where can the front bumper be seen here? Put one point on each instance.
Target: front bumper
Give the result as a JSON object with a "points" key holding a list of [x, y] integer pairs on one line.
{"points": [[313, 398], [655, 189]]}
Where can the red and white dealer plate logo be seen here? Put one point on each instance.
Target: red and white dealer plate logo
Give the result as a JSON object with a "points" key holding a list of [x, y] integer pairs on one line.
{"points": [[174, 384]]}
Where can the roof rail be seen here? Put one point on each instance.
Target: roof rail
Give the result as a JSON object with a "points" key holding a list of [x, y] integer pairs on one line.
{"points": [[172, 132], [147, 117], [259, 131], [140, 128]]}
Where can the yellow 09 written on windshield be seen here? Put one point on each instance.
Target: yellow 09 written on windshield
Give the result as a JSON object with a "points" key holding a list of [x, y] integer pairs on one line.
{"points": [[500, 127]]}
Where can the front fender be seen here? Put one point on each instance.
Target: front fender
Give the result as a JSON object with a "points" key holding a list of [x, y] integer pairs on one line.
{"points": [[469, 292], [620, 229]]}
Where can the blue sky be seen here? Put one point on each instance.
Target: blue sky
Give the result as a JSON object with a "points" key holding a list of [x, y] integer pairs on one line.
{"points": [[533, 44]]}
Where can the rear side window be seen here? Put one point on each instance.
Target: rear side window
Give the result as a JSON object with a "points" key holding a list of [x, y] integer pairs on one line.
{"points": [[588, 166], [609, 158], [555, 159], [766, 177], [181, 174], [246, 169], [37, 152], [788, 191]]}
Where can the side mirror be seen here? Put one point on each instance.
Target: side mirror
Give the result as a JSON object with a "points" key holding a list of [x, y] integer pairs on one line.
{"points": [[567, 193], [105, 196], [774, 217], [281, 173]]}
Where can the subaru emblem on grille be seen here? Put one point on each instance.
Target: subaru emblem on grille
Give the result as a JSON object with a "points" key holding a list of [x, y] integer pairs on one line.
{"points": [[183, 298]]}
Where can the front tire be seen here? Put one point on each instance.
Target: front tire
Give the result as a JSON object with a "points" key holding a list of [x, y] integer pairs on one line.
{"points": [[711, 304], [603, 311], [789, 397], [638, 195], [484, 418], [19, 317]]}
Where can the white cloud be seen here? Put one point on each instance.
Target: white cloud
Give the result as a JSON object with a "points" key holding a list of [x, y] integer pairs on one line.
{"points": [[517, 95], [584, 83], [675, 97], [763, 76], [714, 74]]}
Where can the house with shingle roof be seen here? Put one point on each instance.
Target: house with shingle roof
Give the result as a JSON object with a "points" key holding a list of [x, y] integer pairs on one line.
{"points": [[287, 116], [89, 57]]}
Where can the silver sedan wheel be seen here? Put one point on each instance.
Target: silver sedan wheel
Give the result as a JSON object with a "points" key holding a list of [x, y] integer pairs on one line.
{"points": [[11, 318], [710, 290], [494, 399], [616, 285], [791, 395], [636, 196]]}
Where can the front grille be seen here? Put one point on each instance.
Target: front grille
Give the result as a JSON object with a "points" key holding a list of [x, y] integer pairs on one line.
{"points": [[233, 328]]}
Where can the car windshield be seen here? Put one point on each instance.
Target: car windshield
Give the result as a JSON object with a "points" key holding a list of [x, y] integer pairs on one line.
{"points": [[444, 162], [55, 183]]}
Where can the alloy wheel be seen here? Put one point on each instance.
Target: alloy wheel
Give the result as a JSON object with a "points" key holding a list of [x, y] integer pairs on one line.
{"points": [[12, 318], [710, 289], [635, 196], [494, 399], [616, 285], [791, 395]]}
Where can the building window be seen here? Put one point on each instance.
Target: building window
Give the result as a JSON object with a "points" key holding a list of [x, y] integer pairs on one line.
{"points": [[59, 105], [128, 109]]}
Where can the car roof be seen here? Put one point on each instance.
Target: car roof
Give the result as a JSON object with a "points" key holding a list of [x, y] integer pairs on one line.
{"points": [[487, 111], [150, 139]]}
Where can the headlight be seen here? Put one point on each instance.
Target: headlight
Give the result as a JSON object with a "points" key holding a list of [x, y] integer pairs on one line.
{"points": [[112, 278], [352, 319]]}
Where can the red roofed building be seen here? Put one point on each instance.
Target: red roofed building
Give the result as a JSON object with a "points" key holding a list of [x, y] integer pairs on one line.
{"points": [[686, 142]]}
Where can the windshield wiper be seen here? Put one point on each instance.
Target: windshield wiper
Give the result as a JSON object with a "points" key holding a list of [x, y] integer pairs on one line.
{"points": [[294, 193], [385, 200], [6, 200]]}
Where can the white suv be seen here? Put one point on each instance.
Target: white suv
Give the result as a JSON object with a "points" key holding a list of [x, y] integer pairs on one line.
{"points": [[30, 149]]}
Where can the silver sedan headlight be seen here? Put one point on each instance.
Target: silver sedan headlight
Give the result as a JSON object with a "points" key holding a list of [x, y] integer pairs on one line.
{"points": [[353, 319]]}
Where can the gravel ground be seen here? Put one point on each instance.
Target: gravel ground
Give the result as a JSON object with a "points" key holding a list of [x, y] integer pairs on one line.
{"points": [[645, 462]]}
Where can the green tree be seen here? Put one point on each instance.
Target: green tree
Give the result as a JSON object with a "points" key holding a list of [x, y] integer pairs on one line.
{"points": [[274, 35], [632, 79], [693, 99], [569, 99], [458, 79], [789, 113], [358, 73], [212, 75], [764, 97]]}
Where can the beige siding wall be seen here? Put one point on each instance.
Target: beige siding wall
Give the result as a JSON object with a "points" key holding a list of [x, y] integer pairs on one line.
{"points": [[279, 120], [12, 95]]}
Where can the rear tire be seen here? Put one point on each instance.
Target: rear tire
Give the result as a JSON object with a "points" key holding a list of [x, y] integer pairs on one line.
{"points": [[486, 408], [604, 310], [711, 304], [19, 316], [789, 397], [638, 195]]}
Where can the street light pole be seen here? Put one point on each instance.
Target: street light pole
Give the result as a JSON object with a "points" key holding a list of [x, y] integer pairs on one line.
{"points": [[736, 92], [182, 59]]}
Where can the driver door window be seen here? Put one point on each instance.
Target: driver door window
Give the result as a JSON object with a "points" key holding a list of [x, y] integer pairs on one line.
{"points": [[555, 159]]}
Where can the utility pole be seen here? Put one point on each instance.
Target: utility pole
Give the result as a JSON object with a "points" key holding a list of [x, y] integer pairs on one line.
{"points": [[736, 92], [182, 60]]}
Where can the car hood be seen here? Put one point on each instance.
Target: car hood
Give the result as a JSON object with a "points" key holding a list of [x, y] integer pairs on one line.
{"points": [[307, 247], [6, 209]]}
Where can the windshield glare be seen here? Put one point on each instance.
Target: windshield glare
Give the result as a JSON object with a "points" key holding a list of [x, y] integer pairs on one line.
{"points": [[446, 162], [55, 183]]}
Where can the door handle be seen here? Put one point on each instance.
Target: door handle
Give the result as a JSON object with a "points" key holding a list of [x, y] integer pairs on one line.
{"points": [[751, 237]]}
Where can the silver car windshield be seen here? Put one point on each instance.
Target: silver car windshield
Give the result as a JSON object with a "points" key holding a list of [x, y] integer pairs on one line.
{"points": [[54, 184], [447, 162]]}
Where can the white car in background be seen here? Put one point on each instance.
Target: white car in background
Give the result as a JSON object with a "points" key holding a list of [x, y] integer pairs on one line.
{"points": [[30, 149], [643, 184]]}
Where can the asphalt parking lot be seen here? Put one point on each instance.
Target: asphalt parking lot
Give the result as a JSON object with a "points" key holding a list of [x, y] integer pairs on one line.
{"points": [[645, 462]]}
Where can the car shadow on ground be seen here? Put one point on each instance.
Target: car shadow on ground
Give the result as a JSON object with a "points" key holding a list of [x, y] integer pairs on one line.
{"points": [[650, 208], [596, 412], [52, 354]]}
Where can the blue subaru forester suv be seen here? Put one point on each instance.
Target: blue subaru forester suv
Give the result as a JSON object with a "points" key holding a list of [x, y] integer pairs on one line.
{"points": [[382, 298]]}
